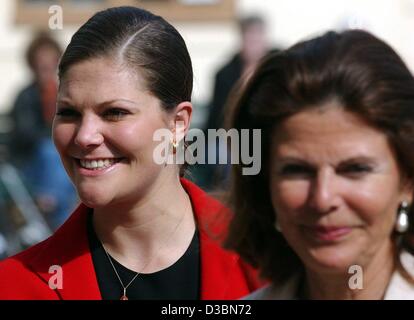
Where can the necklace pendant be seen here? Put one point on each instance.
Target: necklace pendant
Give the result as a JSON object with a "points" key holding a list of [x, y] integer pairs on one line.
{"points": [[124, 296]]}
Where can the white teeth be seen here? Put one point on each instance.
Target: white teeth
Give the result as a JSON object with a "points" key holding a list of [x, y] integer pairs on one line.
{"points": [[97, 164]]}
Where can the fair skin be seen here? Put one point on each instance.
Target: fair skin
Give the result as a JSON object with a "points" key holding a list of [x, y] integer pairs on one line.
{"points": [[142, 214], [336, 187]]}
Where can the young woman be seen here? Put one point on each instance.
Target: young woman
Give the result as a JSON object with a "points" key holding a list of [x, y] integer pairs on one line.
{"points": [[141, 232]]}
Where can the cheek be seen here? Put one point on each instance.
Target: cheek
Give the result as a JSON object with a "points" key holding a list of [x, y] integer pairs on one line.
{"points": [[375, 204], [62, 136], [136, 139], [289, 196]]}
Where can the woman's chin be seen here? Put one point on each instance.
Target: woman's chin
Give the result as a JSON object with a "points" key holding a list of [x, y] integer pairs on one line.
{"points": [[330, 261], [94, 200]]}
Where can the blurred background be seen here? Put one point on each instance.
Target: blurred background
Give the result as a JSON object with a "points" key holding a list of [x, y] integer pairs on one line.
{"points": [[225, 38]]}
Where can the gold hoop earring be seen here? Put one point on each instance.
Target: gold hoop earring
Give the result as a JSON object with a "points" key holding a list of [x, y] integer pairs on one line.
{"points": [[175, 146]]}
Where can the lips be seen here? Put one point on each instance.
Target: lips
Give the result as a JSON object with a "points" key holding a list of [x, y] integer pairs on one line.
{"points": [[327, 233], [96, 166]]}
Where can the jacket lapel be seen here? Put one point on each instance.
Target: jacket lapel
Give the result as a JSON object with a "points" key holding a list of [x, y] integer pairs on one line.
{"points": [[216, 263], [399, 288], [69, 249]]}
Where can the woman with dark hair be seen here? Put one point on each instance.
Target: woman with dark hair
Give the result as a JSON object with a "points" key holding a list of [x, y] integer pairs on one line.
{"points": [[330, 214], [141, 232]]}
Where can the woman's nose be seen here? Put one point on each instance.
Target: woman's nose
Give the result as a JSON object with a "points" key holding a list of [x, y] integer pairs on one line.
{"points": [[89, 133], [324, 194]]}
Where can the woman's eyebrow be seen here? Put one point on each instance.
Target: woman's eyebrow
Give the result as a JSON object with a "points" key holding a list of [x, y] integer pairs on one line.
{"points": [[68, 101], [104, 103], [292, 159], [359, 159], [352, 160]]}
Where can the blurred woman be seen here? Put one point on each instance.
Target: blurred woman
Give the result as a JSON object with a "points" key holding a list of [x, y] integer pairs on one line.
{"points": [[31, 143], [330, 214], [141, 231]]}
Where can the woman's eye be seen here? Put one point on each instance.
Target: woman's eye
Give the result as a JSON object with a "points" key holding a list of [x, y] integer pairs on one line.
{"points": [[115, 114], [295, 170], [66, 113], [355, 169]]}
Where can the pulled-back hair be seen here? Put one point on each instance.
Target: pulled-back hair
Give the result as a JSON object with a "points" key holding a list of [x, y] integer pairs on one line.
{"points": [[141, 41]]}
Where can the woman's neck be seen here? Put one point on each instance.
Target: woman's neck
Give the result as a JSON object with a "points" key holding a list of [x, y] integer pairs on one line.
{"points": [[153, 232], [376, 275]]}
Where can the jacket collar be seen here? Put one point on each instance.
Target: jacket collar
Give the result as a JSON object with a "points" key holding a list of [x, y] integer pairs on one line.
{"points": [[69, 248], [216, 263], [398, 289]]}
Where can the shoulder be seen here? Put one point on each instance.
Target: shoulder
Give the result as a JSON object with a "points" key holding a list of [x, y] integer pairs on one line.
{"points": [[285, 291], [28, 92], [221, 268], [400, 288], [18, 280], [203, 203], [19, 262], [265, 293], [231, 69], [27, 274], [211, 215]]}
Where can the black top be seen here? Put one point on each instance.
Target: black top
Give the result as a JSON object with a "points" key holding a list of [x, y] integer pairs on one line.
{"points": [[180, 281]]}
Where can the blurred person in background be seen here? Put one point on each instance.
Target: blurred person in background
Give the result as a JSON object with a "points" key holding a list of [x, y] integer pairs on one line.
{"points": [[31, 146], [330, 215], [253, 46]]}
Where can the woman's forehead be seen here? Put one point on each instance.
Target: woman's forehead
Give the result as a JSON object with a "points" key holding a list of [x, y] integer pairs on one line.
{"points": [[100, 77], [322, 120], [98, 68], [334, 133]]}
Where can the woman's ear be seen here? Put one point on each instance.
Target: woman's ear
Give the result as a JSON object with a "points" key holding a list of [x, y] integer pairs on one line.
{"points": [[181, 119]]}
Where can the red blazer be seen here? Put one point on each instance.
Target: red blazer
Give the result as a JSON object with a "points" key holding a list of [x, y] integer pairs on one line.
{"points": [[26, 275]]}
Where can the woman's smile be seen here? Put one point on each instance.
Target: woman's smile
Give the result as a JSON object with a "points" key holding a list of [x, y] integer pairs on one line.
{"points": [[326, 234], [96, 166]]}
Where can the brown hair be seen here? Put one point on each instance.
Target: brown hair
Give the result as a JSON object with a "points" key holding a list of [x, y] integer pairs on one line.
{"points": [[41, 40], [366, 76], [144, 41]]}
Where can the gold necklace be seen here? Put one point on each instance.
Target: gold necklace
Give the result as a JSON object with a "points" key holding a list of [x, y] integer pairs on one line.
{"points": [[124, 295]]}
